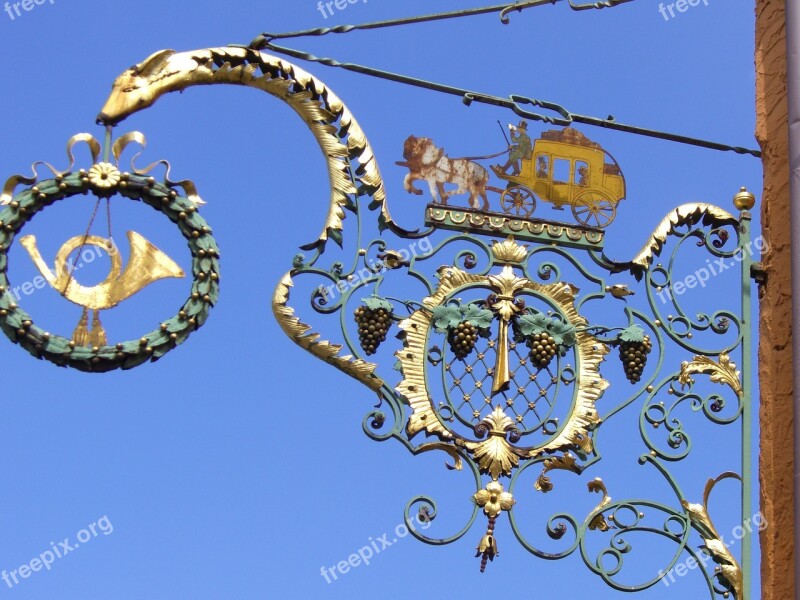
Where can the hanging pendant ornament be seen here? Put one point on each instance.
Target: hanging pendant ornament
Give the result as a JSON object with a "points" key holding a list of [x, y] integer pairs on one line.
{"points": [[88, 348]]}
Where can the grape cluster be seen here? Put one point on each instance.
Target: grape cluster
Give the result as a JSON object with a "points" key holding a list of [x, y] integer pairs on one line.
{"points": [[373, 325], [462, 339], [542, 348], [634, 357]]}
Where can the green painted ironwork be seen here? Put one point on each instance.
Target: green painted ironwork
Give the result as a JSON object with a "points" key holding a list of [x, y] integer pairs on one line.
{"points": [[561, 296], [671, 404], [502, 225]]}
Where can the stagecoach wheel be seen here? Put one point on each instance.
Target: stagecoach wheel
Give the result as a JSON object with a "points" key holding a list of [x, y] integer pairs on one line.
{"points": [[518, 201], [594, 211]]}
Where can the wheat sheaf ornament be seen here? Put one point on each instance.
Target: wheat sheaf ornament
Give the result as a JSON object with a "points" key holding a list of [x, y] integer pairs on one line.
{"points": [[88, 347]]}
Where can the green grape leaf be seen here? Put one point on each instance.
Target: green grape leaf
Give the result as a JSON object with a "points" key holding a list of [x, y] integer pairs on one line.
{"points": [[376, 302], [479, 317], [541, 320], [563, 333], [633, 333], [446, 318], [568, 338], [532, 324], [527, 325]]}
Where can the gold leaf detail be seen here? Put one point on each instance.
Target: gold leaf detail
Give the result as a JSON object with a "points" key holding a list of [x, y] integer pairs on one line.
{"points": [[509, 251], [413, 387], [94, 146], [496, 455], [298, 332], [458, 463], [723, 372], [568, 462], [729, 569], [338, 134], [598, 522], [686, 214], [498, 422], [507, 284]]}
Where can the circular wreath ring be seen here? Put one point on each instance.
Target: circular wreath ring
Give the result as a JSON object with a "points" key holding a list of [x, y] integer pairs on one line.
{"points": [[104, 180]]}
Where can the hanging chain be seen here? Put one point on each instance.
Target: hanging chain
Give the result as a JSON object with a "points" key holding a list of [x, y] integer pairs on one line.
{"points": [[109, 130], [83, 241], [108, 217], [106, 151]]}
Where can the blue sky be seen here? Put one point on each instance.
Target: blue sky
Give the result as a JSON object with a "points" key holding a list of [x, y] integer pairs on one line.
{"points": [[236, 467]]}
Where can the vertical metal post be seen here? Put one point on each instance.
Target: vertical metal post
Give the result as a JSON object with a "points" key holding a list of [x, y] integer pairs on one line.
{"points": [[746, 249], [793, 89]]}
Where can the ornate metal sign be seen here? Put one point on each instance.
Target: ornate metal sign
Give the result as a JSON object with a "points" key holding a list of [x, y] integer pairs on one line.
{"points": [[88, 348], [486, 321]]}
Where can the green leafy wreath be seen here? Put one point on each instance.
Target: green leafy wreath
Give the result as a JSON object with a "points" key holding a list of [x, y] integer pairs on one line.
{"points": [[19, 326]]}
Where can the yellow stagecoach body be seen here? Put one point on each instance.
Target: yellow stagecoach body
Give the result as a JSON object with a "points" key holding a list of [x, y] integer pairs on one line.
{"points": [[567, 168]]}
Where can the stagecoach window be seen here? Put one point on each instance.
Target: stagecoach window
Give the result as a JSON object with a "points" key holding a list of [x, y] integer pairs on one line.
{"points": [[581, 176], [542, 166], [561, 170]]}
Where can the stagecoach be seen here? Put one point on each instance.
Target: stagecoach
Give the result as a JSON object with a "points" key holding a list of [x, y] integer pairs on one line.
{"points": [[565, 168]]}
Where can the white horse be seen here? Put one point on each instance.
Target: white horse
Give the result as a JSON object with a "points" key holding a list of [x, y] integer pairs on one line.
{"points": [[427, 162]]}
